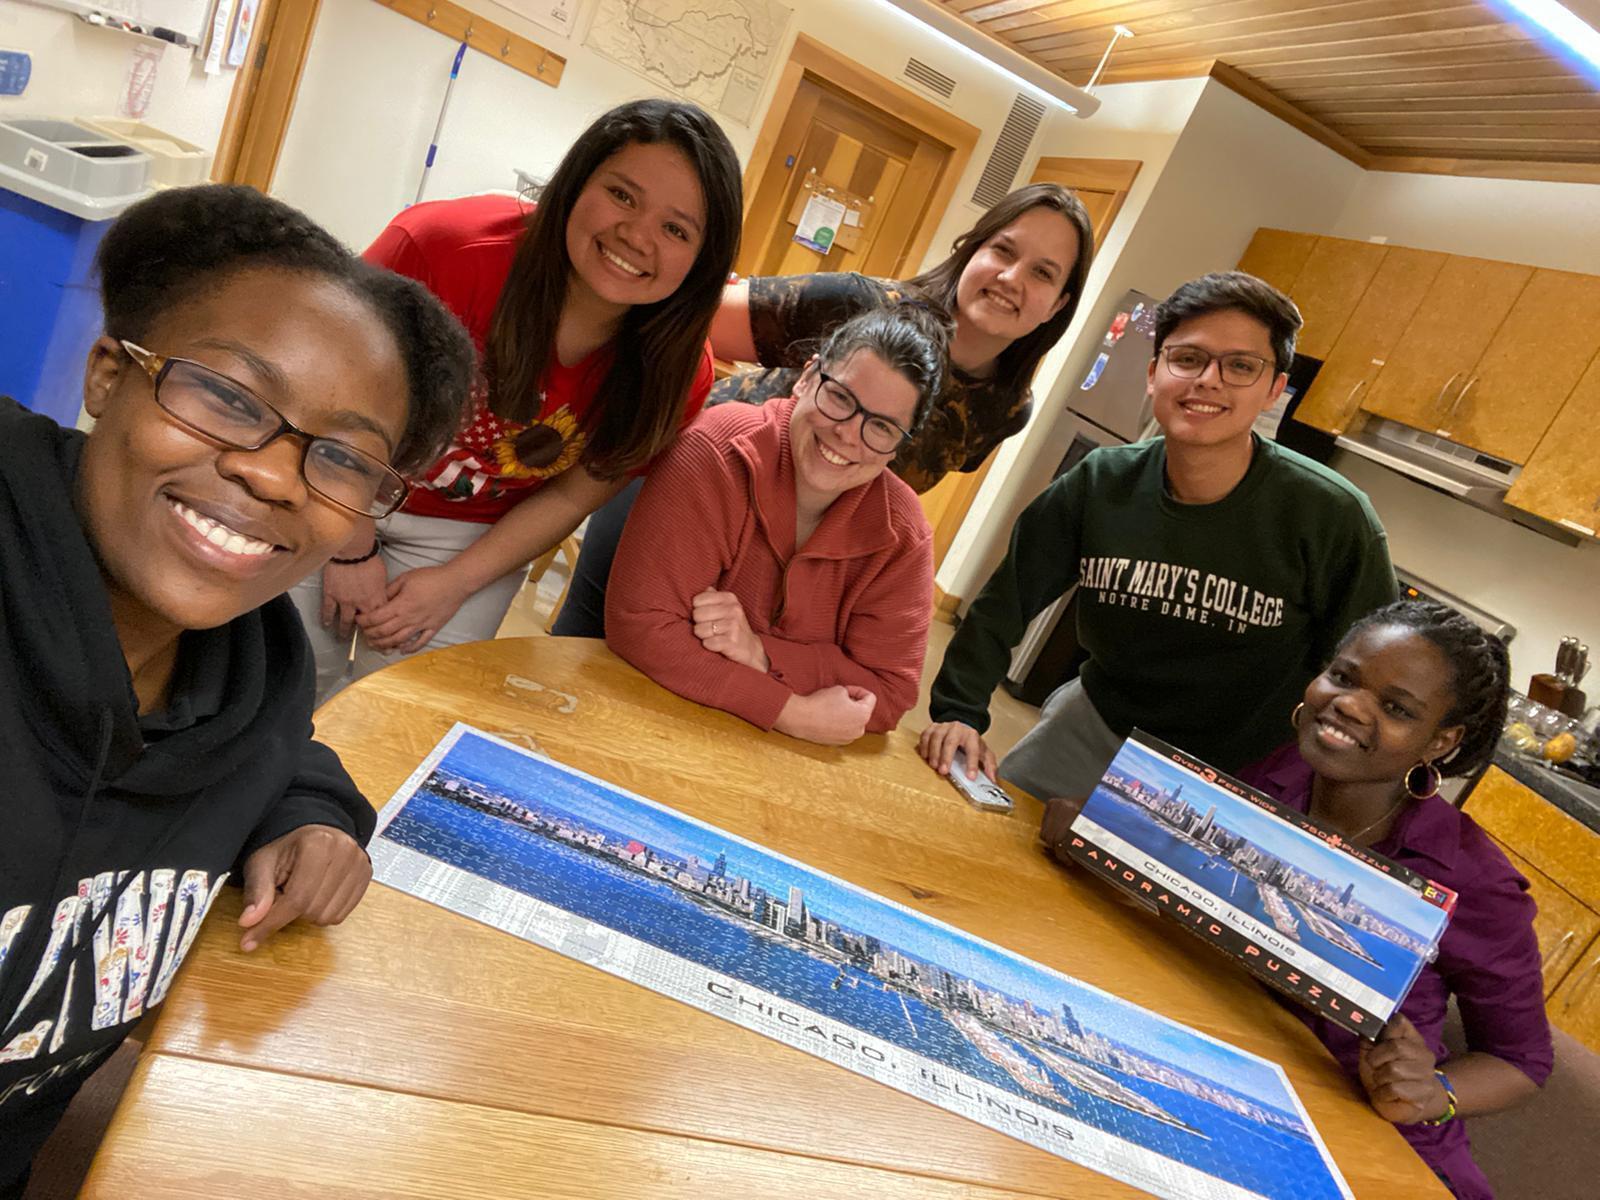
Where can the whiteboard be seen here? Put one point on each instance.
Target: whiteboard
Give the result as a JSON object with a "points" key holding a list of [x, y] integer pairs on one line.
{"points": [[187, 17]]}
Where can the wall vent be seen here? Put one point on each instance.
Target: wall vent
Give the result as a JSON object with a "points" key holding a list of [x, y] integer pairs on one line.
{"points": [[1016, 135], [929, 79]]}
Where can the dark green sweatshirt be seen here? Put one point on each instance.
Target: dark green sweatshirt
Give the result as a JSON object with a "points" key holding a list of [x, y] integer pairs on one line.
{"points": [[1203, 622]]}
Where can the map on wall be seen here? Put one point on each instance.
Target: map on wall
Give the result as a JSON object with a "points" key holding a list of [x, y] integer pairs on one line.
{"points": [[717, 53], [560, 15]]}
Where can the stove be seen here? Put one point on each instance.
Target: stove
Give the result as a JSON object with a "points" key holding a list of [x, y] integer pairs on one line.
{"points": [[1414, 587]]}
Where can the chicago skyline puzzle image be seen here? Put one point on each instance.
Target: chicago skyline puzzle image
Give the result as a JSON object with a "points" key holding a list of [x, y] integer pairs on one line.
{"points": [[1341, 929], [708, 918]]}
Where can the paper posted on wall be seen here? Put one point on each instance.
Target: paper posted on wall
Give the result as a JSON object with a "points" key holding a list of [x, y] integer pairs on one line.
{"points": [[820, 222]]}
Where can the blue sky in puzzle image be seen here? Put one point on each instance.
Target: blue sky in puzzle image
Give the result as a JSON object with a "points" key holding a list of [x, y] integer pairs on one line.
{"points": [[1379, 891]]}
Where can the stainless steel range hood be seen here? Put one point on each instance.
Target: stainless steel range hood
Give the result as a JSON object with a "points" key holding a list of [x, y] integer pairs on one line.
{"points": [[1460, 471]]}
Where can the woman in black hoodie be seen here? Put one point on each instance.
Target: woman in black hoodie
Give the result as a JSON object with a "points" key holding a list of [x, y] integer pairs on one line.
{"points": [[258, 393]]}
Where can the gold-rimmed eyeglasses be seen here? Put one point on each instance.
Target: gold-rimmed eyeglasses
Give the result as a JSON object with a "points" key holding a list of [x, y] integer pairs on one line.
{"points": [[224, 410]]}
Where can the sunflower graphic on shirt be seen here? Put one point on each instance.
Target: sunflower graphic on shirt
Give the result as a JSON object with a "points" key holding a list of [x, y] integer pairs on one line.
{"points": [[545, 448]]}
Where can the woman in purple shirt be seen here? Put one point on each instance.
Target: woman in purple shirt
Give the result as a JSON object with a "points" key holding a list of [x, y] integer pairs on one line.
{"points": [[1414, 692]]}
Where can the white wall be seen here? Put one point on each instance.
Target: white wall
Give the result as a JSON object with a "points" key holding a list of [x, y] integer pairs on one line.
{"points": [[1542, 224], [80, 70], [1232, 169], [1545, 589], [374, 80]]}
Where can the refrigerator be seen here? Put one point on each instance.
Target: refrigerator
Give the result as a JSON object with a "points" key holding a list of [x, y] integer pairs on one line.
{"points": [[1106, 406]]}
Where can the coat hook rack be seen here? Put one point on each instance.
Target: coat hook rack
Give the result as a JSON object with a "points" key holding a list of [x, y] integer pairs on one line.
{"points": [[461, 24]]}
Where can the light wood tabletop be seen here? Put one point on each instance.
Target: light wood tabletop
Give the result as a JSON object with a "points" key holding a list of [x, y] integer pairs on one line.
{"points": [[413, 1052]]}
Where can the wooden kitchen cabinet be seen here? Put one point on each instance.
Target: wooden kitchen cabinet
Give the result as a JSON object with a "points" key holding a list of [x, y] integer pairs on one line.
{"points": [[1380, 316], [1530, 368], [1575, 1005], [1564, 925], [1561, 481], [1278, 256], [1561, 846], [1448, 335], [1561, 858], [1336, 274]]}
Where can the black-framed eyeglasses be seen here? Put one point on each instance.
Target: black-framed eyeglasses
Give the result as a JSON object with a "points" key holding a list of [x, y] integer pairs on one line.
{"points": [[838, 403], [226, 411], [1236, 368]]}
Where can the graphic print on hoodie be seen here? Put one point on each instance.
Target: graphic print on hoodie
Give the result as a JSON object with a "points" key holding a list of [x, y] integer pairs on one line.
{"points": [[116, 830]]}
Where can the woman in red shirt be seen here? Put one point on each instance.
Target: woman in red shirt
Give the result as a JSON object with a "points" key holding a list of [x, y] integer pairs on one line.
{"points": [[590, 314], [798, 595]]}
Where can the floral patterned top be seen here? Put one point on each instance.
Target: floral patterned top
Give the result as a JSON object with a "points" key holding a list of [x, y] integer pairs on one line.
{"points": [[791, 316]]}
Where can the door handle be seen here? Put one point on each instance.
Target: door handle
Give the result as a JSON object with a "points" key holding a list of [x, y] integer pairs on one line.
{"points": [[1439, 399], [1360, 383], [1561, 947], [1578, 985], [1462, 395]]}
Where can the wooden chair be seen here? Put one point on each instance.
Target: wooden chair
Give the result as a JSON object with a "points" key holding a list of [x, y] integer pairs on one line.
{"points": [[568, 549]]}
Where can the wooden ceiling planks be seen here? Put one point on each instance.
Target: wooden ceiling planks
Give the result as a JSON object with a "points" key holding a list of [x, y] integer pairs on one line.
{"points": [[1431, 85]]}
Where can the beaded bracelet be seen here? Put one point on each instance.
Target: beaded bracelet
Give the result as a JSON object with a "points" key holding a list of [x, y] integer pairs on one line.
{"points": [[350, 562], [1449, 1113]]}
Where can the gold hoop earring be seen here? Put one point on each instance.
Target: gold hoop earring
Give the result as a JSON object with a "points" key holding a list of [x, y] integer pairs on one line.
{"points": [[1294, 717], [1431, 773]]}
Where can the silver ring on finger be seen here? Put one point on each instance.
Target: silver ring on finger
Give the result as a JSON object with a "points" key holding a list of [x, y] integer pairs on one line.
{"points": [[715, 629]]}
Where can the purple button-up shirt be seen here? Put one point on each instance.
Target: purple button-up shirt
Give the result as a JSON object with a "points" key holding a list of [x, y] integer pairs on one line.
{"points": [[1488, 957]]}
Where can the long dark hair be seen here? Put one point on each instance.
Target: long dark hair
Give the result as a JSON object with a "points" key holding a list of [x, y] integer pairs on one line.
{"points": [[1017, 362], [657, 352]]}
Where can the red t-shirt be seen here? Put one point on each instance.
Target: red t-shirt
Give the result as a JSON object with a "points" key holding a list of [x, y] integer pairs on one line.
{"points": [[461, 251]]}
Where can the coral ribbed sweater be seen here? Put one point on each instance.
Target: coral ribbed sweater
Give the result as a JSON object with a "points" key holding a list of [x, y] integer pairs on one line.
{"points": [[718, 511]]}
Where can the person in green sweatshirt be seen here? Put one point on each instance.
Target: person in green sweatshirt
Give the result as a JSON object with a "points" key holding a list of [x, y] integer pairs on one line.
{"points": [[1216, 571]]}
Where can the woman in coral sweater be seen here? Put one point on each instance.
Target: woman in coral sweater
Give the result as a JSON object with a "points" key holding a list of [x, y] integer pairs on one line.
{"points": [[773, 567]]}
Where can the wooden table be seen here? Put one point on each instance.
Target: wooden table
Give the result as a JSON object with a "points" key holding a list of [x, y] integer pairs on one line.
{"points": [[411, 1052]]}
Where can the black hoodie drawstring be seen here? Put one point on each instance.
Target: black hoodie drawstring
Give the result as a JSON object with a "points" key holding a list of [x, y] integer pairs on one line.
{"points": [[37, 936]]}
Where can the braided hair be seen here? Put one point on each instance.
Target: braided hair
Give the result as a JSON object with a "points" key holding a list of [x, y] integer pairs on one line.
{"points": [[1482, 674], [175, 245]]}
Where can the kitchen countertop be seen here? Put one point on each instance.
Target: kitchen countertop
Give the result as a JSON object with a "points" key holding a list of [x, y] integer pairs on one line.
{"points": [[1576, 799]]}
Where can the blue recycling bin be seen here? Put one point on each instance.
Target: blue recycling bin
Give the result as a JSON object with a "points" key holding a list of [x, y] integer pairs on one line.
{"points": [[49, 306], [60, 188]]}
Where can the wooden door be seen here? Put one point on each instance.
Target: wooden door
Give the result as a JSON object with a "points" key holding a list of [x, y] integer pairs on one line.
{"points": [[1563, 926], [1535, 361], [1561, 481], [1101, 183], [262, 100], [836, 140], [1391, 299], [1434, 358], [1278, 256], [1335, 276]]}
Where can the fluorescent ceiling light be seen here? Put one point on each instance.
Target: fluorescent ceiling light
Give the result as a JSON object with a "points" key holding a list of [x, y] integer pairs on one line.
{"points": [[995, 53], [1564, 25]]}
